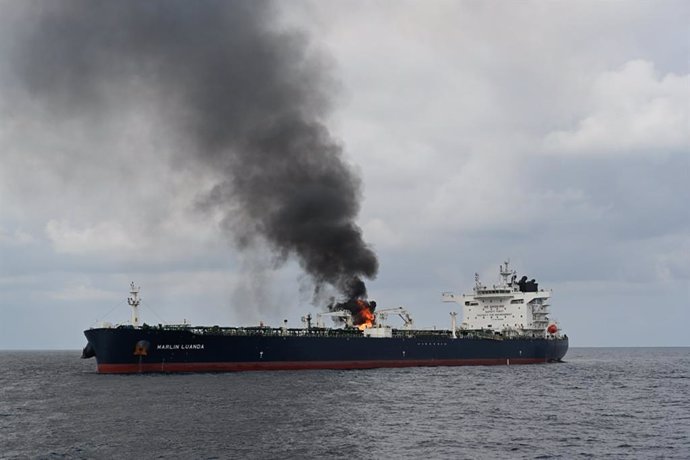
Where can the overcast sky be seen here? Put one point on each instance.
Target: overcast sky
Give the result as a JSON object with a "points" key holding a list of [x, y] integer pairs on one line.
{"points": [[554, 134]]}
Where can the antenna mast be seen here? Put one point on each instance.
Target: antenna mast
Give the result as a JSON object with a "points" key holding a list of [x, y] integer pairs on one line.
{"points": [[505, 272]]}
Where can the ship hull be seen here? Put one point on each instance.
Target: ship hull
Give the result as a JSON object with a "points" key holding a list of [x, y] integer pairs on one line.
{"points": [[144, 350]]}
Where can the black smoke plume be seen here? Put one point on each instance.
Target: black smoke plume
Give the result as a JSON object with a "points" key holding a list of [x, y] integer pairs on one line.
{"points": [[251, 97]]}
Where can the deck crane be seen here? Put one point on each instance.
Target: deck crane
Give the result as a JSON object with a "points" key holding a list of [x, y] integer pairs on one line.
{"points": [[400, 311], [340, 314]]}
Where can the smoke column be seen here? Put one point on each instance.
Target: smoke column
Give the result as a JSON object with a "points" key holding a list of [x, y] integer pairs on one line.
{"points": [[250, 98]]}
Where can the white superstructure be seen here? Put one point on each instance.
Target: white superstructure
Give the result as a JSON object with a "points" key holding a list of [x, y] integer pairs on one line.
{"points": [[510, 307]]}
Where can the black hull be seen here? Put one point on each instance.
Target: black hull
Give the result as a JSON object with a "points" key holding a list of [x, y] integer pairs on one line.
{"points": [[130, 350]]}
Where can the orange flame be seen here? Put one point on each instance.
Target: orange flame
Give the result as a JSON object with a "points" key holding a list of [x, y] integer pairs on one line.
{"points": [[364, 317]]}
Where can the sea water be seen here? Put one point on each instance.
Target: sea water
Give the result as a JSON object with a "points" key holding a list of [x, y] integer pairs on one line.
{"points": [[602, 403]]}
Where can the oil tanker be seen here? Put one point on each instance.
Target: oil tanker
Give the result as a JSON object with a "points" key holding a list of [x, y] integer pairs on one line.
{"points": [[502, 324]]}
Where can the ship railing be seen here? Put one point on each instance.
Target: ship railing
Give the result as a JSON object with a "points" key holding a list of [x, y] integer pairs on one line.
{"points": [[353, 332], [274, 332]]}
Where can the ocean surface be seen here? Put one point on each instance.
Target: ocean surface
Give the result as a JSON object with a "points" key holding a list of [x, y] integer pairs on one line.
{"points": [[602, 403]]}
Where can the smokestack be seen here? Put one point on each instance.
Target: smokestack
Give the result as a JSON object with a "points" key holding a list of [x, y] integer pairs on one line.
{"points": [[251, 98]]}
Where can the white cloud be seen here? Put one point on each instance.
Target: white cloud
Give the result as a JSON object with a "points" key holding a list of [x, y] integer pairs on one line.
{"points": [[102, 237], [83, 293], [382, 235], [633, 109], [18, 237]]}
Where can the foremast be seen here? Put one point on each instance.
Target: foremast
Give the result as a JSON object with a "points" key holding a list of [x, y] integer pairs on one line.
{"points": [[133, 300]]}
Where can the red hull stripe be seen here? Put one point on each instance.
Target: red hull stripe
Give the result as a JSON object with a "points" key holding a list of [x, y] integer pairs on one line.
{"points": [[299, 365]]}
